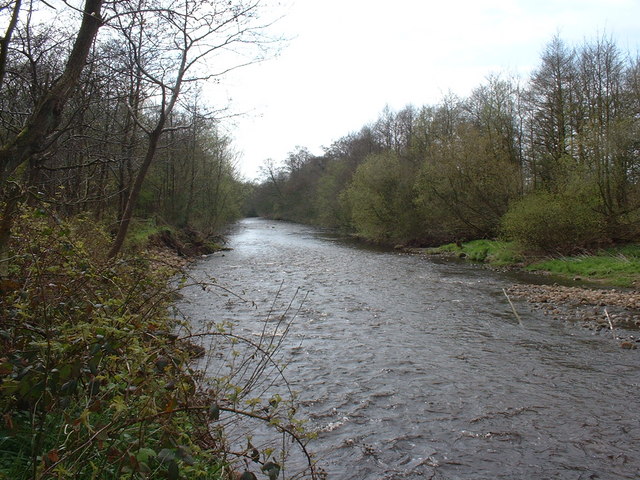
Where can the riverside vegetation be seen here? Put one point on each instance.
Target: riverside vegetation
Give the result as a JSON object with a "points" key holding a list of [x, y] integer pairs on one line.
{"points": [[548, 166], [613, 266], [97, 380], [105, 142], [539, 173]]}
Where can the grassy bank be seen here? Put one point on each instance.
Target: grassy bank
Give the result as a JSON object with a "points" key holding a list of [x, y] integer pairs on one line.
{"points": [[616, 266], [493, 252]]}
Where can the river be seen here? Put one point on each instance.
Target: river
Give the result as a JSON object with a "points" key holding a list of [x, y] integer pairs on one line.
{"points": [[414, 367]]}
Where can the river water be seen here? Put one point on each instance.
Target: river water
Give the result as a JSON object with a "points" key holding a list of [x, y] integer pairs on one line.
{"points": [[414, 367]]}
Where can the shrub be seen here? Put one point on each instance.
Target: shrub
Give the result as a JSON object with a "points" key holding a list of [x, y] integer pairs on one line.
{"points": [[83, 393], [552, 223]]}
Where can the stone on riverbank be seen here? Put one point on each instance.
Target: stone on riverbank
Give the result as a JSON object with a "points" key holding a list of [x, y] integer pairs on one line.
{"points": [[596, 309]]}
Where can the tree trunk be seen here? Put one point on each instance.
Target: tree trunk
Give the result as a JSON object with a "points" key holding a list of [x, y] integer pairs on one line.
{"points": [[48, 113], [4, 41], [134, 193]]}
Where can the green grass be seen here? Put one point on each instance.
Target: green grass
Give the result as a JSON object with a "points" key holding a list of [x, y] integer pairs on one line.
{"points": [[618, 266], [615, 266], [495, 252]]}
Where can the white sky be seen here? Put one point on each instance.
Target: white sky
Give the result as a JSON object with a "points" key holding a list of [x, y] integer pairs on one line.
{"points": [[347, 59]]}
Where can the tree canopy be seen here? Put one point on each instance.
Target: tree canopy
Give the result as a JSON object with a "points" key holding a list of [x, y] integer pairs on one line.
{"points": [[499, 162]]}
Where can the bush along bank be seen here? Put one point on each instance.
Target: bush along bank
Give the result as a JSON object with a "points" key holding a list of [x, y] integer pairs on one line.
{"points": [[94, 380]]}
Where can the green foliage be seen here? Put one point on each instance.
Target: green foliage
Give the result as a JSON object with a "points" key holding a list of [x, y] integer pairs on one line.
{"points": [[381, 200], [93, 381], [459, 170], [464, 187], [332, 209], [618, 266], [552, 223], [82, 395], [140, 232]]}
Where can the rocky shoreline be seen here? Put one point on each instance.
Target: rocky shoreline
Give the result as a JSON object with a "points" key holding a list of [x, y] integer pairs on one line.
{"points": [[597, 309]]}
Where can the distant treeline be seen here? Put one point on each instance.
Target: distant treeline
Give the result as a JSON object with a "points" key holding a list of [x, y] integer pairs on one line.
{"points": [[552, 162]]}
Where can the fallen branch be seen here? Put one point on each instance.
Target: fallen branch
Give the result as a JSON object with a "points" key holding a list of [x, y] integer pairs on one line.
{"points": [[606, 314], [513, 308]]}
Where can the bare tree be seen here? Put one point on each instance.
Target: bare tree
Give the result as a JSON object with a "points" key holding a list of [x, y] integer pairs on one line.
{"points": [[48, 114], [180, 36], [551, 102]]}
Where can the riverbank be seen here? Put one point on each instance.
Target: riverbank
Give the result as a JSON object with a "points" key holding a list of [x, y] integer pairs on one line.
{"points": [[604, 311], [616, 266], [97, 377], [94, 384], [607, 299]]}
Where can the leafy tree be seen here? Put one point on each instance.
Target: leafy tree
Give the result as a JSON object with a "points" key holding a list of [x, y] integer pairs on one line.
{"points": [[302, 171], [331, 207], [493, 110], [381, 199], [464, 188]]}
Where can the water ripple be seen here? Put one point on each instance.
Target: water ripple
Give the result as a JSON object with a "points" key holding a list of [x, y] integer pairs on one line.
{"points": [[413, 368]]}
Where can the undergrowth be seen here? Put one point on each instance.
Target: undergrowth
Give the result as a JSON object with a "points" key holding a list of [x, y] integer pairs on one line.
{"points": [[140, 232], [95, 381]]}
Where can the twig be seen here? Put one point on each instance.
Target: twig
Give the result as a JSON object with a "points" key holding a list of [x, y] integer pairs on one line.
{"points": [[606, 314], [513, 308]]}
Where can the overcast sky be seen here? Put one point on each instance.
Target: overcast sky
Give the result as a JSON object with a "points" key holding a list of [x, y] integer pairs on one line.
{"points": [[347, 59]]}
